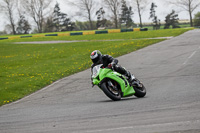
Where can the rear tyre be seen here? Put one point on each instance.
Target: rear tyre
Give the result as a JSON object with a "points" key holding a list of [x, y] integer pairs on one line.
{"points": [[112, 93]]}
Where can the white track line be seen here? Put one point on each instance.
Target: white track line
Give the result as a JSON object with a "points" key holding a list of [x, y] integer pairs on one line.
{"points": [[190, 57]]}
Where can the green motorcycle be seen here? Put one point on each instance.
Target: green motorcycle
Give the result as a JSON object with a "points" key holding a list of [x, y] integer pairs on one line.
{"points": [[114, 84]]}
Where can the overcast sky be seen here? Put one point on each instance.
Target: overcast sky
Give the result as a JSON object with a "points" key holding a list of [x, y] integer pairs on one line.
{"points": [[163, 8], [161, 11]]}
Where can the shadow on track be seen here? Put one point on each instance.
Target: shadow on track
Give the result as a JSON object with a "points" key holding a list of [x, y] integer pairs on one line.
{"points": [[122, 100]]}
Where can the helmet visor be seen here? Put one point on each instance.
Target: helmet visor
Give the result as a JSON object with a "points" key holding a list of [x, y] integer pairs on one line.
{"points": [[96, 60]]}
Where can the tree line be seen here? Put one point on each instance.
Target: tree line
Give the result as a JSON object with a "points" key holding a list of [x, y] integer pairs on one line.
{"points": [[111, 13]]}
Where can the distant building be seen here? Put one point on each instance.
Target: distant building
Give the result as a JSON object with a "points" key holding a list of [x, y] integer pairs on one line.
{"points": [[184, 21]]}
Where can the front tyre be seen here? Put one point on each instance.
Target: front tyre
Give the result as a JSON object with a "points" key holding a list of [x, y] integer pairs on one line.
{"points": [[112, 93], [140, 91]]}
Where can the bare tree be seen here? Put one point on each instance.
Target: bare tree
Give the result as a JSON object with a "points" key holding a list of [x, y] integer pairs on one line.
{"points": [[187, 5], [9, 7], [141, 6], [36, 9], [114, 6], [20, 8], [86, 9]]}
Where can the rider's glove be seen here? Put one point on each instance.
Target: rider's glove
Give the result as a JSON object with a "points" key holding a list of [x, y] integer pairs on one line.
{"points": [[110, 65]]}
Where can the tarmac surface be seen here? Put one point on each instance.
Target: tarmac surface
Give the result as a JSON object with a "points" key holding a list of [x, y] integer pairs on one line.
{"points": [[170, 70]]}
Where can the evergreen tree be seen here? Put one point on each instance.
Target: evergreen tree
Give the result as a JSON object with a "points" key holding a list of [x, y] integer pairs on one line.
{"points": [[101, 21], [61, 21], [171, 19], [49, 25], [66, 23], [197, 19], [56, 17], [23, 26], [126, 15], [188, 5], [156, 21]]}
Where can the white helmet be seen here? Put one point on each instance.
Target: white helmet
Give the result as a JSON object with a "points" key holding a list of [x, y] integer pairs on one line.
{"points": [[96, 56]]}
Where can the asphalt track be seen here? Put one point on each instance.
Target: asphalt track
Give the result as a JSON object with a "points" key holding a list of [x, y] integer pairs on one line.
{"points": [[170, 71]]}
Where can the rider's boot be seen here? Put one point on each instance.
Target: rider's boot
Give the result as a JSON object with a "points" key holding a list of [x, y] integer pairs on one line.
{"points": [[136, 83], [133, 80], [130, 76]]}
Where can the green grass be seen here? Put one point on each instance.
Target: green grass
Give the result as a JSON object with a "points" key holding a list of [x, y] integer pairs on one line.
{"points": [[26, 68]]}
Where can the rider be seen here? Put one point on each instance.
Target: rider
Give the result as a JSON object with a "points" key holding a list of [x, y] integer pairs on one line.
{"points": [[109, 61]]}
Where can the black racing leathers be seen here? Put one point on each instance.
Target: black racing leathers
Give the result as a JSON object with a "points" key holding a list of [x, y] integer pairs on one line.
{"points": [[107, 59]]}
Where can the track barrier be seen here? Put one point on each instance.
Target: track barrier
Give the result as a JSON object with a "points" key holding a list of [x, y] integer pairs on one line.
{"points": [[81, 33]]}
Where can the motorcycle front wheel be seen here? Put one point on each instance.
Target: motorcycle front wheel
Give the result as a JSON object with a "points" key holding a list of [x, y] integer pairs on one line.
{"points": [[114, 94], [140, 91]]}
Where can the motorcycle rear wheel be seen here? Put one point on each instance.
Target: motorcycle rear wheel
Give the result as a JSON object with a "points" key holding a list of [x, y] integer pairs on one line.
{"points": [[111, 93]]}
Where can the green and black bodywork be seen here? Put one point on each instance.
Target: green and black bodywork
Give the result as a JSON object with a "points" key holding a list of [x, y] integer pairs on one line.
{"points": [[114, 84]]}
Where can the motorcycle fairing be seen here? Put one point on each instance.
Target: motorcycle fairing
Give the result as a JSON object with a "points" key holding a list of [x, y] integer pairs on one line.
{"points": [[105, 73]]}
